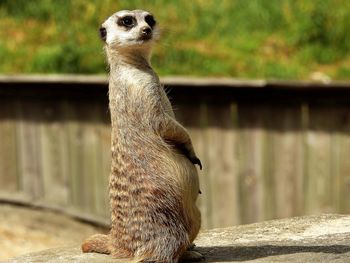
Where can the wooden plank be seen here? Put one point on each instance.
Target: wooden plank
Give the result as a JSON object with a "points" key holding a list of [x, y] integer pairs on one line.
{"points": [[286, 160], [74, 147], [91, 166], [54, 154], [319, 183], [340, 160], [222, 161], [269, 118], [8, 152], [303, 180], [28, 148], [86, 180], [277, 163], [250, 146]]}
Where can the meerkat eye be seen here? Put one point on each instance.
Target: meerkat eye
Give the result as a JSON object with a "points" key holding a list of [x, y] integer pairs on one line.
{"points": [[150, 20], [127, 21]]}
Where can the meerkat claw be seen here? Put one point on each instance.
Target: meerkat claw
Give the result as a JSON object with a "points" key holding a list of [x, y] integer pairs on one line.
{"points": [[195, 160]]}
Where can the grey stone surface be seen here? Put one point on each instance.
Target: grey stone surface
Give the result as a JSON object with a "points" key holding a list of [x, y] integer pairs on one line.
{"points": [[323, 238]]}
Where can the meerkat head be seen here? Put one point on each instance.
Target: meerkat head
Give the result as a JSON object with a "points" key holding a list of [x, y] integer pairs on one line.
{"points": [[129, 31]]}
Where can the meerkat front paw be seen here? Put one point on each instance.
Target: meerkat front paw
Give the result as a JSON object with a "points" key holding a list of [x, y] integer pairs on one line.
{"points": [[191, 247]]}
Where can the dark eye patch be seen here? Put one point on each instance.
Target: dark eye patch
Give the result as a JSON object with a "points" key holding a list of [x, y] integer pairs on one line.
{"points": [[150, 21], [126, 21], [103, 33]]}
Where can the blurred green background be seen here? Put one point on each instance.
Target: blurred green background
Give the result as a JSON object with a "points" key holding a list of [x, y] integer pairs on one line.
{"points": [[275, 39]]}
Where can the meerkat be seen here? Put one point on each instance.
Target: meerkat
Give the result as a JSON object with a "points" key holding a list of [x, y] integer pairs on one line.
{"points": [[153, 182]]}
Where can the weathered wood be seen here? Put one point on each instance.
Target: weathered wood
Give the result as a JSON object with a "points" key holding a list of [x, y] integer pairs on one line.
{"points": [[8, 152], [28, 144], [286, 161], [223, 163], [340, 152], [90, 160], [269, 149], [74, 146], [95, 149], [269, 118], [83, 151], [54, 158], [250, 147], [318, 192]]}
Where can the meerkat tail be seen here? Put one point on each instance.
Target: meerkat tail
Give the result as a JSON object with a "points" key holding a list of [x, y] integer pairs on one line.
{"points": [[97, 243]]}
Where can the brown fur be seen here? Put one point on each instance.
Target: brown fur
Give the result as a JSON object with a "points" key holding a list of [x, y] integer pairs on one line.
{"points": [[153, 182]]}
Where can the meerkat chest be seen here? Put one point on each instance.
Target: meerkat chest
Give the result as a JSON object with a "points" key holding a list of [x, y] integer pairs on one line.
{"points": [[134, 95]]}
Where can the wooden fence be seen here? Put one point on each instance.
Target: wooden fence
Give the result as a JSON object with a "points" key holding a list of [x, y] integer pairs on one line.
{"points": [[269, 149]]}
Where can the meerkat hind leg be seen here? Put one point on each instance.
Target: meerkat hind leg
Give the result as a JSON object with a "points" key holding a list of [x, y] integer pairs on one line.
{"points": [[97, 243]]}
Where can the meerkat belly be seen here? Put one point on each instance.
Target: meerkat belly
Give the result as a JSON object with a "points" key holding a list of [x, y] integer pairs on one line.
{"points": [[147, 153], [146, 190], [143, 162]]}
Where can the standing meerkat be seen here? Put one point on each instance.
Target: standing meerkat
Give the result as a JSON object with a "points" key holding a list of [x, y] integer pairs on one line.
{"points": [[154, 182]]}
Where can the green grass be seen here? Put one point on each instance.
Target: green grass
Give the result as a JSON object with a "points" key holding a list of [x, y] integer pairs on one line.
{"points": [[272, 39]]}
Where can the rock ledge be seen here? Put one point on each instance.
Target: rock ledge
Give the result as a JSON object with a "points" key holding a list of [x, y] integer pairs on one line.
{"points": [[324, 238]]}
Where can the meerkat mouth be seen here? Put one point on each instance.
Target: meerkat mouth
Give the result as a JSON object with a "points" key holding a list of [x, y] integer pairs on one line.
{"points": [[145, 38]]}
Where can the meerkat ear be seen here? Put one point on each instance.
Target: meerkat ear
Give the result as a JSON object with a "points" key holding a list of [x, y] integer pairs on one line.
{"points": [[103, 33]]}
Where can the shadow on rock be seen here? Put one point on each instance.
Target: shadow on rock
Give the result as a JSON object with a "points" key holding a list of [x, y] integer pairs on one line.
{"points": [[245, 253]]}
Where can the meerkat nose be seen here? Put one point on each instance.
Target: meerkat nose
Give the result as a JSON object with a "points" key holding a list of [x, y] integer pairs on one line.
{"points": [[146, 31]]}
